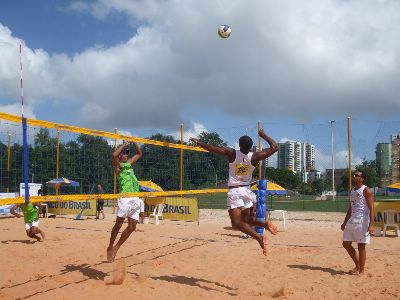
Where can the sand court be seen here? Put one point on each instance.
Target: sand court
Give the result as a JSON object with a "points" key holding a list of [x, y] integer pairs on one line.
{"points": [[177, 260]]}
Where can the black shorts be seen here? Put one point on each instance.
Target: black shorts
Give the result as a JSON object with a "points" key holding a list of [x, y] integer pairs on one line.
{"points": [[100, 205]]}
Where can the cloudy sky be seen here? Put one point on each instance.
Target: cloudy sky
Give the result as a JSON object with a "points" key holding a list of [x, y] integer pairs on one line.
{"points": [[156, 64]]}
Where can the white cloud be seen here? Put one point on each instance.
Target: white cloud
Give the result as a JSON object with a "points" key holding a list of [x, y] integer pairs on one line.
{"points": [[15, 109], [323, 160], [193, 131], [119, 142], [301, 60], [284, 140]]}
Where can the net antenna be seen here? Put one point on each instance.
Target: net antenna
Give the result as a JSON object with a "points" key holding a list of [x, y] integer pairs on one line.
{"points": [[24, 133]]}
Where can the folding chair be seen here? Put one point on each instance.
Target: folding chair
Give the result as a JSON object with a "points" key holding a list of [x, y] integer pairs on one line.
{"points": [[390, 221], [157, 213]]}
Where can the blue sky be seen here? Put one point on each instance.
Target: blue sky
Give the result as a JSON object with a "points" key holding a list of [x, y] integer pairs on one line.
{"points": [[148, 66]]}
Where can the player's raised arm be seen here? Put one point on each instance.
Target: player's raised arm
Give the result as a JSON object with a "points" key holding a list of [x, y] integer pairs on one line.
{"points": [[115, 156], [266, 152], [138, 154]]}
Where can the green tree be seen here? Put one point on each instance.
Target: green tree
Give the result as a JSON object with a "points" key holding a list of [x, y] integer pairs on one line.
{"points": [[160, 164], [319, 185], [284, 177], [94, 159], [203, 169], [370, 170], [42, 157]]}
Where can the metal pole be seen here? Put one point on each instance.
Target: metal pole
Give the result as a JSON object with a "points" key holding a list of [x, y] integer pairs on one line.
{"points": [[181, 163], [8, 161], [115, 175], [333, 163], [57, 155], [259, 149], [349, 143]]}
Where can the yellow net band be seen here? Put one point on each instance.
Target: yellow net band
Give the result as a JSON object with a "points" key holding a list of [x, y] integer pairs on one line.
{"points": [[69, 128], [86, 197]]}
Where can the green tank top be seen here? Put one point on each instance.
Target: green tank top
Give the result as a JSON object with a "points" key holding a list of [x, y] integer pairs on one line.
{"points": [[128, 182], [31, 213]]}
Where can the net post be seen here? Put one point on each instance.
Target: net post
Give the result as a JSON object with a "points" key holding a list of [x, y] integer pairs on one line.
{"points": [[181, 162], [25, 157], [8, 162], [349, 147], [115, 175], [259, 149]]}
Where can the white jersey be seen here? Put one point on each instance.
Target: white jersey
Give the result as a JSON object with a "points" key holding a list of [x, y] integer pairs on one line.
{"points": [[359, 205], [241, 170]]}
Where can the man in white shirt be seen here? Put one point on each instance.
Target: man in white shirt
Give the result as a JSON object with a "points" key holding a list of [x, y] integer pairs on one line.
{"points": [[240, 197], [358, 225]]}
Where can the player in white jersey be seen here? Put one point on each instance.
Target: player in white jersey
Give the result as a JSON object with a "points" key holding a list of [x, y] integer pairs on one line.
{"points": [[358, 225], [240, 197]]}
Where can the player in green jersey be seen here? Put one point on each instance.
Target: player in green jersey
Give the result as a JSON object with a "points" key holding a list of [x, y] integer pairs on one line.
{"points": [[30, 212], [128, 207]]}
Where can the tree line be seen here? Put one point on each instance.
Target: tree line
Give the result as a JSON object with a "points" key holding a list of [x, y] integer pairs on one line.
{"points": [[87, 160]]}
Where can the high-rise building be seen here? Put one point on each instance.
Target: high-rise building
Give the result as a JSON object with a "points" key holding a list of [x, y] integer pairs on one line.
{"points": [[310, 157], [289, 156], [296, 156], [255, 149], [395, 139], [384, 163], [339, 173]]}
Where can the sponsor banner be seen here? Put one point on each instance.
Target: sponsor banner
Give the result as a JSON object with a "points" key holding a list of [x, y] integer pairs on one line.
{"points": [[174, 208], [5, 209], [380, 207], [85, 208]]}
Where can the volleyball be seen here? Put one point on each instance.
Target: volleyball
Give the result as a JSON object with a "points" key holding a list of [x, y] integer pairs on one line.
{"points": [[224, 31]]}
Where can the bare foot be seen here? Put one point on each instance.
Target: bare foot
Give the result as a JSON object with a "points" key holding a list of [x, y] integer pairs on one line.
{"points": [[113, 253], [110, 254], [265, 243], [354, 271], [271, 227]]}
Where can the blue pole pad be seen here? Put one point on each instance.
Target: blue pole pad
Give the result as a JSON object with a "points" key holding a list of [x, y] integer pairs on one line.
{"points": [[25, 159], [261, 206], [262, 184]]}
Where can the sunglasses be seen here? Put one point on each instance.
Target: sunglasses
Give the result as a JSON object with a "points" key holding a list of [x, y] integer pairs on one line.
{"points": [[357, 175]]}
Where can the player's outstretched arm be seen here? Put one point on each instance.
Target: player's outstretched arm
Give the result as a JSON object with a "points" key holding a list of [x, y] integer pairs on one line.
{"points": [[13, 211], [267, 152], [226, 151]]}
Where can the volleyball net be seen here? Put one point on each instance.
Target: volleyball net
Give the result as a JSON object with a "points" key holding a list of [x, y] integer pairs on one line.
{"points": [[303, 165], [84, 155]]}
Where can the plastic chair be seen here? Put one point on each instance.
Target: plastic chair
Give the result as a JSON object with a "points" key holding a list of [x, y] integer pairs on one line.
{"points": [[377, 231], [389, 219], [283, 212], [157, 213]]}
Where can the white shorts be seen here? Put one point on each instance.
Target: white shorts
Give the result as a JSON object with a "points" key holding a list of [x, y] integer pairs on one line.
{"points": [[130, 207], [356, 230], [241, 197], [33, 224]]}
